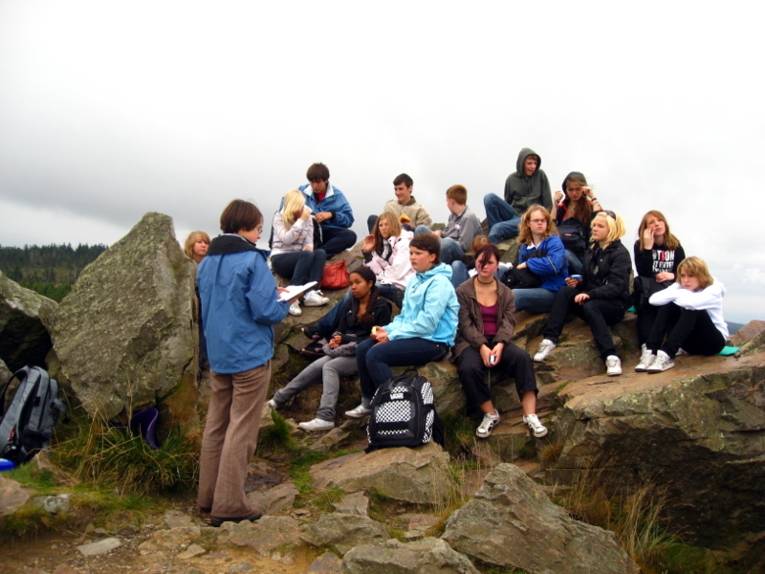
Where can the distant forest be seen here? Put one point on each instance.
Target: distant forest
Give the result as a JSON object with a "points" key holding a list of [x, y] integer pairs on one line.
{"points": [[48, 269]]}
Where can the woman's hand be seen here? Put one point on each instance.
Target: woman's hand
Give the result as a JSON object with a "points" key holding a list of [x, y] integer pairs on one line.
{"points": [[558, 196], [379, 335], [485, 354], [581, 298], [647, 238], [496, 352], [335, 341], [665, 276], [521, 265], [368, 244], [571, 282]]}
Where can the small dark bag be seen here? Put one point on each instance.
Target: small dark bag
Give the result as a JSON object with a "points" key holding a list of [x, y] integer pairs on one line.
{"points": [[644, 287]]}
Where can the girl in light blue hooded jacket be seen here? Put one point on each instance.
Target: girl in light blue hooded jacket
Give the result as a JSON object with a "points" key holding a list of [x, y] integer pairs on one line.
{"points": [[423, 331]]}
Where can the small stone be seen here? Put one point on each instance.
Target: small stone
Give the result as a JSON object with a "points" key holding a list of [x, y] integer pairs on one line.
{"points": [[176, 519], [103, 546], [191, 552], [354, 503], [327, 563], [240, 568]]}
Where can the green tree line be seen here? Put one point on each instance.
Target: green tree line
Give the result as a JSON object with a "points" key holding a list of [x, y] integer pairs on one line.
{"points": [[51, 270]]}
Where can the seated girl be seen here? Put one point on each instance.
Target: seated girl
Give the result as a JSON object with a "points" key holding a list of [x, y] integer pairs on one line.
{"points": [[601, 297], [542, 255], [486, 324], [367, 308], [292, 253], [573, 211], [689, 316], [386, 252], [196, 245], [422, 332], [657, 255]]}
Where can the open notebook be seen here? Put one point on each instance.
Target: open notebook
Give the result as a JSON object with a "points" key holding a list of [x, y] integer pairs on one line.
{"points": [[292, 291]]}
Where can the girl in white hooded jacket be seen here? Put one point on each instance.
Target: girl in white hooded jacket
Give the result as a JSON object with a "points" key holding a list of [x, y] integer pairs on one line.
{"points": [[690, 316]]}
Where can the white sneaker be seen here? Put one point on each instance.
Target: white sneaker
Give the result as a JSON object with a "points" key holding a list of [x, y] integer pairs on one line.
{"points": [[535, 425], [662, 362], [295, 309], [490, 420], [316, 425], [545, 347], [613, 366], [646, 358], [271, 403], [315, 299], [358, 412]]}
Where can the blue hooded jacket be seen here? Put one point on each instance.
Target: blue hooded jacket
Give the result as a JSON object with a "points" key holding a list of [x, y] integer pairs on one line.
{"points": [[239, 305], [334, 201], [552, 268], [430, 308]]}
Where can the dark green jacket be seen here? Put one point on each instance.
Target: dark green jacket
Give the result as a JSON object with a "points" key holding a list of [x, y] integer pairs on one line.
{"points": [[521, 191]]}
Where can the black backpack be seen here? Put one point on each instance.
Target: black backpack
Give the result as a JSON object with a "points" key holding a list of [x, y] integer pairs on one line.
{"points": [[403, 413], [27, 426]]}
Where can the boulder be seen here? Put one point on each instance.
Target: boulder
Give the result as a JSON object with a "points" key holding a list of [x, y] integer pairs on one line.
{"points": [[426, 556], [416, 475], [327, 563], [264, 536], [341, 531], [354, 503], [125, 336], [279, 498], [511, 523], [25, 321], [750, 337], [695, 432], [12, 496]]}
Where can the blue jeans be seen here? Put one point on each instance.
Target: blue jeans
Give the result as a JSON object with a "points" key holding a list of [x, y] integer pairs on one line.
{"points": [[575, 265], [300, 267], [536, 300], [450, 251], [375, 359], [503, 219], [459, 273]]}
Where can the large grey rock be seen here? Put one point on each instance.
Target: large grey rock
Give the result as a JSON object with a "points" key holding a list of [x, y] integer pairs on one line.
{"points": [[263, 536], [25, 320], [426, 556], [125, 336], [103, 546], [12, 496], [341, 531], [694, 432], [418, 475], [512, 523]]}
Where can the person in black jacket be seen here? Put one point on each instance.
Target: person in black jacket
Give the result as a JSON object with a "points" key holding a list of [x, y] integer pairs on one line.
{"points": [[601, 297], [367, 308], [657, 255], [574, 209]]}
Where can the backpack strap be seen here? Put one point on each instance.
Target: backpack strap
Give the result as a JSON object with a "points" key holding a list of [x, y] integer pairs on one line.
{"points": [[25, 372]]}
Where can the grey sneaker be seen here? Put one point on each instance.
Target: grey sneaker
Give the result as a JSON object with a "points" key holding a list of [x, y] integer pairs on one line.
{"points": [[316, 425], [490, 420], [545, 348], [535, 425], [295, 309], [613, 366], [358, 412], [662, 362], [646, 358]]}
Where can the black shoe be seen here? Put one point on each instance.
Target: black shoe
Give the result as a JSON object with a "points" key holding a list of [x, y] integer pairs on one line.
{"points": [[217, 521]]}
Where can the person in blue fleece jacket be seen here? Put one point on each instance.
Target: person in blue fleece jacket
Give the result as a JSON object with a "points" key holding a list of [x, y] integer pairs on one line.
{"points": [[331, 211], [423, 331]]}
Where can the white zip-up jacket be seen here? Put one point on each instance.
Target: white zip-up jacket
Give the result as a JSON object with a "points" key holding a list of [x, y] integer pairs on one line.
{"points": [[709, 299], [397, 270]]}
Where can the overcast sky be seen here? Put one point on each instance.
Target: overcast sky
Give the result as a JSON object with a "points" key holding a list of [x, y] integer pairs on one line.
{"points": [[112, 109]]}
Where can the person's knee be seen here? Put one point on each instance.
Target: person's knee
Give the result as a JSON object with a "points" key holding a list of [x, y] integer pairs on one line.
{"points": [[328, 369], [490, 199]]}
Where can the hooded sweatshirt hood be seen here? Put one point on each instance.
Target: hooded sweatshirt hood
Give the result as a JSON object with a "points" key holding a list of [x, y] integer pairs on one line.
{"points": [[522, 191], [522, 155]]}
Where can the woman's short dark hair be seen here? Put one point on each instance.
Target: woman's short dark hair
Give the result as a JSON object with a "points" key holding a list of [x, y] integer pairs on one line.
{"points": [[317, 172], [429, 242], [240, 215], [486, 252], [366, 274]]}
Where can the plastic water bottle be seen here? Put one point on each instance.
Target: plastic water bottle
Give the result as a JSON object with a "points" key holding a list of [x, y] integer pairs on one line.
{"points": [[6, 464]]}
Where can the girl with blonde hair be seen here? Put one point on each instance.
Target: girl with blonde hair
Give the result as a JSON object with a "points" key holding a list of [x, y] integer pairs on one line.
{"points": [[195, 246], [657, 255], [600, 296], [292, 253], [690, 316]]}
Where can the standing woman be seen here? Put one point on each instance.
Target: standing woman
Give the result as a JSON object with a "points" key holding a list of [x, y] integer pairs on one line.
{"points": [[292, 252], [422, 332], [690, 316], [601, 297], [368, 308], [486, 325], [196, 245], [542, 254], [657, 255], [239, 306], [574, 208], [386, 252]]}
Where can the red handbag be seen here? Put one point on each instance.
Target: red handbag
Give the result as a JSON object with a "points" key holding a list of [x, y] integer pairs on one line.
{"points": [[335, 275]]}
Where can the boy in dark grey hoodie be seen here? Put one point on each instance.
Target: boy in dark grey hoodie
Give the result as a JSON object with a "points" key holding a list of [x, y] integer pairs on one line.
{"points": [[524, 187]]}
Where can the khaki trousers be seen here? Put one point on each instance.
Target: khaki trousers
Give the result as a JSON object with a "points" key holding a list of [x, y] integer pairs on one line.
{"points": [[229, 440]]}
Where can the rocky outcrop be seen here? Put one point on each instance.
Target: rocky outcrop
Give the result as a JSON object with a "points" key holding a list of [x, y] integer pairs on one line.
{"points": [[25, 320], [125, 335], [696, 432], [512, 523], [341, 531], [426, 556], [419, 476], [12, 496]]}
